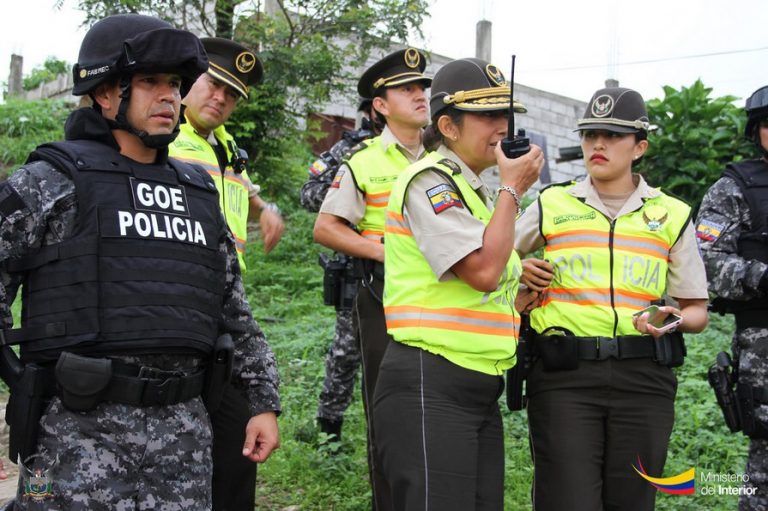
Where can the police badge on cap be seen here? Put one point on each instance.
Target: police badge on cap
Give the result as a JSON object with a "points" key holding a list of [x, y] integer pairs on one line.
{"points": [[233, 64], [615, 109], [398, 68]]}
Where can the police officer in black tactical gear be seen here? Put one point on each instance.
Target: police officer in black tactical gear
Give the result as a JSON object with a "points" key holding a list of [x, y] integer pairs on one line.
{"points": [[133, 308], [731, 227]]}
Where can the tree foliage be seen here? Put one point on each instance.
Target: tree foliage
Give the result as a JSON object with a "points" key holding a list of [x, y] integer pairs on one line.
{"points": [[25, 124], [696, 137], [309, 48], [51, 68]]}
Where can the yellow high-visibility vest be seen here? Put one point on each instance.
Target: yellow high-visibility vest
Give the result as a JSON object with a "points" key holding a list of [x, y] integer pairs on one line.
{"points": [[375, 169], [232, 187], [472, 329], [605, 270]]}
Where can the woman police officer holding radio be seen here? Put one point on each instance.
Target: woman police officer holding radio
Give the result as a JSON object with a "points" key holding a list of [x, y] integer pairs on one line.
{"points": [[601, 394], [450, 286]]}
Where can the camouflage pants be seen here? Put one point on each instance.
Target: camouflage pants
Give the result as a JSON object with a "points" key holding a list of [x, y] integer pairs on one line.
{"points": [[752, 346], [121, 457], [341, 364]]}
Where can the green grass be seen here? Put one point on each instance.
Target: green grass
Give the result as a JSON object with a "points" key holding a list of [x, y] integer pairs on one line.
{"points": [[285, 290]]}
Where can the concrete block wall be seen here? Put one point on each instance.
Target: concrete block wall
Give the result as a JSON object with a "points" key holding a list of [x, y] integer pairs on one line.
{"points": [[554, 117]]}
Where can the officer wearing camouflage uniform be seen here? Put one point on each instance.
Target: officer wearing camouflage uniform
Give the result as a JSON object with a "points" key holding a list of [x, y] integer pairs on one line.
{"points": [[129, 274], [343, 358], [731, 228]]}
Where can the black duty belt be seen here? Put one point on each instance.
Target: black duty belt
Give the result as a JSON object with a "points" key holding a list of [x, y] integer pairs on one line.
{"points": [[138, 385], [603, 348], [751, 319], [147, 386]]}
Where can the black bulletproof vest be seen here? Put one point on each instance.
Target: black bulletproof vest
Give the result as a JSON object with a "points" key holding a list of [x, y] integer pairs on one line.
{"points": [[142, 271], [752, 178]]}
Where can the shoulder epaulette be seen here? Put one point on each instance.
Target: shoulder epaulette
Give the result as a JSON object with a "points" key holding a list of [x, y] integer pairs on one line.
{"points": [[561, 183], [451, 165], [357, 148]]}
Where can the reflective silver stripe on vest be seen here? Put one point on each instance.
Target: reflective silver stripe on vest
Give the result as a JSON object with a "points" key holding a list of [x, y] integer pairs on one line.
{"points": [[450, 320]]}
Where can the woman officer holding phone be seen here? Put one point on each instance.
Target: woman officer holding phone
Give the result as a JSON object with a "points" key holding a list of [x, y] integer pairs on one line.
{"points": [[601, 393]]}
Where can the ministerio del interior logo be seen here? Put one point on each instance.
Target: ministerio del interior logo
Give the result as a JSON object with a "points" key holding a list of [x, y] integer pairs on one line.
{"points": [[681, 484]]}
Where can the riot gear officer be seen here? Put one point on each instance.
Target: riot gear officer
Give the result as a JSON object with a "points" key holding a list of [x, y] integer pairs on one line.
{"points": [[131, 295]]}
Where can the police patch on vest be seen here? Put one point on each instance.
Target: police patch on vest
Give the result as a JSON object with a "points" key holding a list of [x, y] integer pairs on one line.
{"points": [[654, 217], [337, 178], [442, 197], [561, 219], [160, 212], [708, 230]]}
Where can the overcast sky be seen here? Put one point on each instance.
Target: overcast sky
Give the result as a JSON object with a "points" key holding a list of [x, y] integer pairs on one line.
{"points": [[563, 46]]}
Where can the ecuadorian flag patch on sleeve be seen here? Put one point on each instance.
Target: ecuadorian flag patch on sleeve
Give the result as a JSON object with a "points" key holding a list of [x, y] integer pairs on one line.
{"points": [[708, 230], [444, 196], [337, 178]]}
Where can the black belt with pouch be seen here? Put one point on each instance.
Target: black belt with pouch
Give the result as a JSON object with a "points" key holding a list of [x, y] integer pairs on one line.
{"points": [[563, 352]]}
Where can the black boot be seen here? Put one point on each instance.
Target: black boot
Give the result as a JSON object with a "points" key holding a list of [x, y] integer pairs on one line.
{"points": [[332, 428]]}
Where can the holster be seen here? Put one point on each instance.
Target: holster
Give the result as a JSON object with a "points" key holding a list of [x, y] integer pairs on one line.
{"points": [[721, 376], [340, 278], [219, 372], [83, 381], [559, 352], [29, 397], [669, 349], [516, 398]]}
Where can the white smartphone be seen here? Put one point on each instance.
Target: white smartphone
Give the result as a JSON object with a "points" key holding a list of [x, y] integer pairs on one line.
{"points": [[670, 322]]}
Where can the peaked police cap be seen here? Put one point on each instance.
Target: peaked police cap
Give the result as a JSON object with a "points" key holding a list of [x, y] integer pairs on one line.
{"points": [[471, 85], [233, 64], [398, 68], [615, 109]]}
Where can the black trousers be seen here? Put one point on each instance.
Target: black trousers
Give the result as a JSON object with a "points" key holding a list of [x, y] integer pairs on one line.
{"points": [[371, 328], [589, 426], [234, 475], [439, 433]]}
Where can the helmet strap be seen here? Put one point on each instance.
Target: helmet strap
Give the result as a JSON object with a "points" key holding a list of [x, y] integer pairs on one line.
{"points": [[121, 120]]}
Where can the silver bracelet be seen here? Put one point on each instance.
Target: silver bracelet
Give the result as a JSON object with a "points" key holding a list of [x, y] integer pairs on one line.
{"points": [[512, 192], [271, 206]]}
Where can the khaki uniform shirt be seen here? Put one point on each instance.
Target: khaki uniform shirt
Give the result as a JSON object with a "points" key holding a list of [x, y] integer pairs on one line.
{"points": [[347, 201], [686, 277], [447, 237]]}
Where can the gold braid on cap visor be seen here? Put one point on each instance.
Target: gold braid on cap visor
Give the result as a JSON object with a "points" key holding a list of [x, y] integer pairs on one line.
{"points": [[638, 124], [390, 80], [480, 98], [222, 74]]}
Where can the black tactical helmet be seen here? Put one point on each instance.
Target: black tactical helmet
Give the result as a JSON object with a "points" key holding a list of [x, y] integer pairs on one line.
{"points": [[119, 46], [123, 44], [757, 110]]}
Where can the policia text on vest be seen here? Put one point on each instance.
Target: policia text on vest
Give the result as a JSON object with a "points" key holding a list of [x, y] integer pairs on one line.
{"points": [[160, 213]]}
